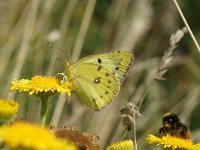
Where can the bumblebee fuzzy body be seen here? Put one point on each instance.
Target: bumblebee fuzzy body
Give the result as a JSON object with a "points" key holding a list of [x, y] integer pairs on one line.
{"points": [[172, 126]]}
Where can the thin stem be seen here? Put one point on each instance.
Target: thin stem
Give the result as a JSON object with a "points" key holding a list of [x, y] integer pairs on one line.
{"points": [[187, 26], [44, 110], [134, 134], [24, 47], [143, 97], [124, 134], [83, 29]]}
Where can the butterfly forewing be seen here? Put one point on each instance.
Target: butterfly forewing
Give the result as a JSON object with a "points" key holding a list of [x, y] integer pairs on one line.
{"points": [[95, 86], [117, 62]]}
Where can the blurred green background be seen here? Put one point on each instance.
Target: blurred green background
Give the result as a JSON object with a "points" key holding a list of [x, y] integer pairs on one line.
{"points": [[84, 27]]}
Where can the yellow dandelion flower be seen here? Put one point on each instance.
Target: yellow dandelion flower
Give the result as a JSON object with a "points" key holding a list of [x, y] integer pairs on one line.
{"points": [[39, 85], [8, 110], [123, 145], [43, 87], [172, 142], [25, 136]]}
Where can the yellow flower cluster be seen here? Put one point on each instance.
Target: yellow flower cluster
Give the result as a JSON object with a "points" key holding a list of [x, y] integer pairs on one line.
{"points": [[40, 84], [123, 145], [172, 142], [8, 109], [25, 136]]}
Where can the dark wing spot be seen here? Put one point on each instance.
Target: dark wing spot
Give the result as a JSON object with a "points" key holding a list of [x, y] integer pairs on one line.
{"points": [[99, 60], [108, 87], [107, 74], [94, 99], [99, 68], [118, 52], [97, 80], [109, 81], [101, 96], [106, 92], [117, 68]]}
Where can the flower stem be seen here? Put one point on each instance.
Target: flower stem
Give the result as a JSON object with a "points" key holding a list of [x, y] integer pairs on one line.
{"points": [[44, 110], [187, 26], [124, 134], [134, 137], [145, 94]]}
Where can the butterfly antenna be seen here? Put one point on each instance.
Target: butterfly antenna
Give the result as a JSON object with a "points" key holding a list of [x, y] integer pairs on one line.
{"points": [[57, 51], [54, 67]]}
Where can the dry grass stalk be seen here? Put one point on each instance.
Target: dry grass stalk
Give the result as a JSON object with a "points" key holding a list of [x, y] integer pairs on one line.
{"points": [[168, 54], [128, 113]]}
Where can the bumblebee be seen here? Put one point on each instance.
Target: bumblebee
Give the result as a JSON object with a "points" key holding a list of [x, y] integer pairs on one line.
{"points": [[172, 126]]}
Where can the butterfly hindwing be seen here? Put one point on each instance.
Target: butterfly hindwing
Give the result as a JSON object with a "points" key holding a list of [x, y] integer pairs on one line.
{"points": [[117, 62], [97, 78], [95, 86]]}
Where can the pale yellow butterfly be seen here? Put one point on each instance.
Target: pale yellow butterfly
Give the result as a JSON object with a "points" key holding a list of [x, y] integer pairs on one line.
{"points": [[97, 78]]}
